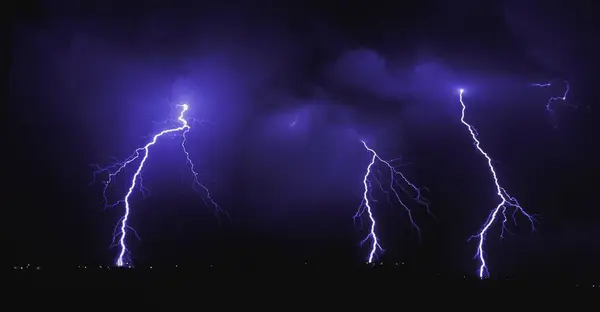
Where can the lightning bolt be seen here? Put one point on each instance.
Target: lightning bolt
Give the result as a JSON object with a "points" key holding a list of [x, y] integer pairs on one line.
{"points": [[506, 200], [554, 98], [366, 205], [143, 152]]}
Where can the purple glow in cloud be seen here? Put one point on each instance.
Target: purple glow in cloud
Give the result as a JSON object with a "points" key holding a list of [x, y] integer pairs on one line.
{"points": [[114, 169], [294, 122], [505, 199], [367, 202]]}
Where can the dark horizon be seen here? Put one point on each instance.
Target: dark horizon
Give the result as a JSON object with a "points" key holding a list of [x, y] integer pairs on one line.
{"points": [[290, 91]]}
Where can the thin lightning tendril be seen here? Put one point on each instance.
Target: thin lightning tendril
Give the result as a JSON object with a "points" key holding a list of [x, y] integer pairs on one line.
{"points": [[114, 169], [554, 98], [506, 200], [366, 205]]}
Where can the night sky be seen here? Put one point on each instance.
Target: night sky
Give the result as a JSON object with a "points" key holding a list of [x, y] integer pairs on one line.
{"points": [[93, 81]]}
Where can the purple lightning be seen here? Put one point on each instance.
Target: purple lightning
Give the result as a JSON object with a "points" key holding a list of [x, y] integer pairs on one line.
{"points": [[505, 199], [554, 98], [366, 204], [114, 169]]}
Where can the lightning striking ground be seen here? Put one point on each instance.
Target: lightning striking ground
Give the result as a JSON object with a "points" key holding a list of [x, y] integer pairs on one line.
{"points": [[143, 152], [367, 202], [506, 200], [554, 98]]}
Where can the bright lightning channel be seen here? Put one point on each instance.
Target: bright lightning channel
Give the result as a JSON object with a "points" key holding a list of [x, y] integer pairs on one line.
{"points": [[554, 98], [366, 205], [506, 200], [114, 169]]}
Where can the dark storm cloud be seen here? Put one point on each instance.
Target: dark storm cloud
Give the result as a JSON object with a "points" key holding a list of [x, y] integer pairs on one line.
{"points": [[216, 64], [289, 100], [423, 89], [391, 92], [368, 71], [257, 84], [100, 71], [559, 34], [254, 82], [109, 90], [308, 141]]}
